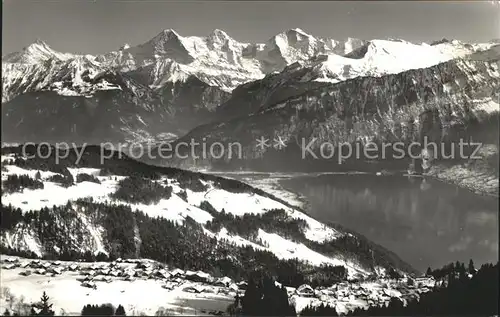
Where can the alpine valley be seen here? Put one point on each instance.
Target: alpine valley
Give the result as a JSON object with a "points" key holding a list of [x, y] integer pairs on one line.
{"points": [[192, 234]]}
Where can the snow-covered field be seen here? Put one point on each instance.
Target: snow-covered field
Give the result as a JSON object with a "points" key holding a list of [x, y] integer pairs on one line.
{"points": [[70, 285], [176, 209], [138, 297]]}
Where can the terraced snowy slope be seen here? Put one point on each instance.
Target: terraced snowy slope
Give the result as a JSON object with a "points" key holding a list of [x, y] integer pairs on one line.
{"points": [[185, 202]]}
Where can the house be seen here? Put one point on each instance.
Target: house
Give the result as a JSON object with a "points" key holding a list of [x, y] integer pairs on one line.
{"points": [[10, 260], [103, 271], [45, 265], [177, 273], [204, 277], [144, 266], [40, 271], [73, 267], [178, 280], [99, 278], [24, 265], [223, 281], [89, 285], [9, 266], [162, 274], [305, 291], [129, 278], [169, 285], [26, 273], [223, 291], [56, 270], [193, 289], [243, 285], [196, 277], [233, 287], [85, 279]]}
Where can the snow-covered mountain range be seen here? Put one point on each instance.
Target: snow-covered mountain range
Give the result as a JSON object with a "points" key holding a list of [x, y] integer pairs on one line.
{"points": [[219, 60], [444, 102], [190, 76]]}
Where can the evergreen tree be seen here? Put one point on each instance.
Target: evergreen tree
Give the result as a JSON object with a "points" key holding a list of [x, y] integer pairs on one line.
{"points": [[250, 299], [106, 310], [7, 312], [46, 307], [264, 298], [86, 310], [429, 272], [462, 272], [120, 311], [321, 310], [471, 268]]}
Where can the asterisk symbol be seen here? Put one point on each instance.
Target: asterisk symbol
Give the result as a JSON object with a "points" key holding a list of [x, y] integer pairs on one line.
{"points": [[279, 143], [262, 143]]}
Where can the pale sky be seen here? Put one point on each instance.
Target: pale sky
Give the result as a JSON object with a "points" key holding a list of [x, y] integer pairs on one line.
{"points": [[86, 26]]}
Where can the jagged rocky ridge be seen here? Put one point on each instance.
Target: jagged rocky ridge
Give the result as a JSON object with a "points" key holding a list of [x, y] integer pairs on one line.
{"points": [[105, 106], [187, 77], [129, 209], [446, 102]]}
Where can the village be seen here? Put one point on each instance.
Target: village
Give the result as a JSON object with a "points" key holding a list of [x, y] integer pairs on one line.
{"points": [[344, 296]]}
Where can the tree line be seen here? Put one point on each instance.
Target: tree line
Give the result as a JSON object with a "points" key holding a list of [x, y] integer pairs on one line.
{"points": [[16, 183], [184, 245]]}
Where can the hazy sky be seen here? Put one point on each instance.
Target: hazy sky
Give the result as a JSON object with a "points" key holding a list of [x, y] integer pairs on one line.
{"points": [[86, 26]]}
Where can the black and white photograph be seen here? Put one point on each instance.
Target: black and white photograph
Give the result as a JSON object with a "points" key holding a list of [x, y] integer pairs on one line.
{"points": [[250, 158]]}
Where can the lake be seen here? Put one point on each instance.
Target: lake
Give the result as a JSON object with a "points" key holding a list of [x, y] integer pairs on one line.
{"points": [[424, 221]]}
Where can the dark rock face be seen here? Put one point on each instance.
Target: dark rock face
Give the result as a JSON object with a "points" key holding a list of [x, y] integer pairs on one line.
{"points": [[193, 102], [441, 102], [109, 115], [129, 112]]}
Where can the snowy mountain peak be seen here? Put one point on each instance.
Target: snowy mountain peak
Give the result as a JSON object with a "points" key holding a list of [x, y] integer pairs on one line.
{"points": [[165, 38], [124, 47], [39, 43], [38, 51], [168, 34], [297, 31], [219, 36], [292, 37], [220, 61]]}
